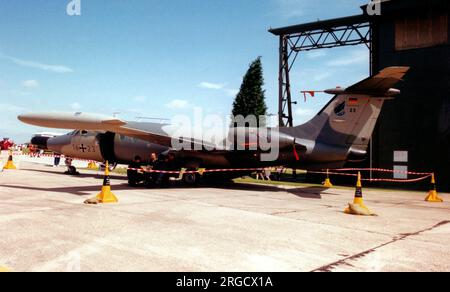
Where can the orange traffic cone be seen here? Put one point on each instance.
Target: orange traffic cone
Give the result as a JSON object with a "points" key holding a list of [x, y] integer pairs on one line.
{"points": [[106, 195], [10, 163], [432, 194], [358, 207], [327, 183], [92, 165]]}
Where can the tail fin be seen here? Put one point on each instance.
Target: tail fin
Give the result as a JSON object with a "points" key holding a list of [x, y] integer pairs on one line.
{"points": [[350, 117]]}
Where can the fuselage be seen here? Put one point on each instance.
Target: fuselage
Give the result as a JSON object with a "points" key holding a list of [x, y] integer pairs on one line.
{"points": [[290, 151]]}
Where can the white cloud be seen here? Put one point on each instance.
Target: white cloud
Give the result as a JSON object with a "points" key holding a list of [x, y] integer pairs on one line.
{"points": [[140, 98], [308, 9], [209, 85], [356, 57], [291, 8], [30, 83], [6, 107], [316, 54], [19, 93], [178, 104], [38, 65], [232, 92], [322, 76], [303, 115], [304, 112], [75, 106]]}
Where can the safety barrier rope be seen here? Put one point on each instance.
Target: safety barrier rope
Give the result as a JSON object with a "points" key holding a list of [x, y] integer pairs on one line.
{"points": [[37, 155], [397, 180], [200, 171], [383, 170], [337, 172], [424, 175], [333, 173]]}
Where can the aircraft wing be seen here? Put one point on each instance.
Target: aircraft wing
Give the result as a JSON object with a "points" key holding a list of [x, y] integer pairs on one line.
{"points": [[381, 83], [151, 132]]}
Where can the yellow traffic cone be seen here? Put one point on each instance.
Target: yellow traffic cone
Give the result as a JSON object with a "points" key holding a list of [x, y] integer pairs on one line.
{"points": [[358, 207], [433, 195], [327, 182], [10, 163], [92, 165], [105, 196]]}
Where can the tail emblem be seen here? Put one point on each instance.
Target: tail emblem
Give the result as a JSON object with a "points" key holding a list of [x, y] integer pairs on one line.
{"points": [[340, 109]]}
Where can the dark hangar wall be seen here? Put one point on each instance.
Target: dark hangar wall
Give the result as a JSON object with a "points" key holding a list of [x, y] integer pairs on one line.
{"points": [[416, 34]]}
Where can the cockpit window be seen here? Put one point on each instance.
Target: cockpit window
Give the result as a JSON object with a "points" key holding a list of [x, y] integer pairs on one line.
{"points": [[84, 132]]}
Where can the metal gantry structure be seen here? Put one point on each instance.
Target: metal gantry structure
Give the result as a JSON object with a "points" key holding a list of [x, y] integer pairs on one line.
{"points": [[348, 31]]}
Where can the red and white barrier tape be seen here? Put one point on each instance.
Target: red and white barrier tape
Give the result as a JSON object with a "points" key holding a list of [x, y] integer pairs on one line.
{"points": [[339, 172], [195, 171], [383, 170], [333, 173], [424, 176], [397, 180], [36, 155]]}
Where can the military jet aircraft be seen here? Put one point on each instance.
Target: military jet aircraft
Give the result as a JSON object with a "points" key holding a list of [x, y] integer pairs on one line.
{"points": [[339, 133]]}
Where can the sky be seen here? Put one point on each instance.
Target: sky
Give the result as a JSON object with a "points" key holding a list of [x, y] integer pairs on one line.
{"points": [[158, 58]]}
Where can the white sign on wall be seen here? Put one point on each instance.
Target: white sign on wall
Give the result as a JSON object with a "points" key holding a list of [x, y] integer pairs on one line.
{"points": [[400, 172], [401, 156]]}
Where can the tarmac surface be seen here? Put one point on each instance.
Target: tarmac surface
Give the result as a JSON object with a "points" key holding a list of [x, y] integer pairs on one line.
{"points": [[44, 226]]}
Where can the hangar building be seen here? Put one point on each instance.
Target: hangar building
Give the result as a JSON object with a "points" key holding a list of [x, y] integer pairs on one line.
{"points": [[413, 131]]}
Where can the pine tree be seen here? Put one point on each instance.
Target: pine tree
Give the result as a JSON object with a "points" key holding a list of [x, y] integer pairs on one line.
{"points": [[251, 97]]}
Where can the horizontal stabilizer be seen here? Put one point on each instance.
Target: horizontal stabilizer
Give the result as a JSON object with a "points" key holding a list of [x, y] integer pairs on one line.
{"points": [[380, 84]]}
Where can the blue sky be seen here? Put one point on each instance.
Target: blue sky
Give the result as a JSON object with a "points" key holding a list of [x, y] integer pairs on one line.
{"points": [[157, 58]]}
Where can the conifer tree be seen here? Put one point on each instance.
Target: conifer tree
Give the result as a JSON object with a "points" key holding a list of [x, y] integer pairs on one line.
{"points": [[251, 97]]}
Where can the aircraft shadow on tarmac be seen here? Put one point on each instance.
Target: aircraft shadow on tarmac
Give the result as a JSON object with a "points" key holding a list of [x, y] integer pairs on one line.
{"points": [[306, 192], [81, 175], [79, 191]]}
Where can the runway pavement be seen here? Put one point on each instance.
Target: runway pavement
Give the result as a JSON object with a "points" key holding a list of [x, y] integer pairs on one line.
{"points": [[44, 226]]}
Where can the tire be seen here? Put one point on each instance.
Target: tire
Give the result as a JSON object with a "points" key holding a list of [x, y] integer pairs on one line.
{"points": [[191, 179]]}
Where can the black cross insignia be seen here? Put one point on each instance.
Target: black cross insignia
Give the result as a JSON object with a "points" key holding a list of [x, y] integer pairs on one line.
{"points": [[82, 148]]}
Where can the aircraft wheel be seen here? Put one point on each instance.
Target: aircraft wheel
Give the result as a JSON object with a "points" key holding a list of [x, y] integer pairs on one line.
{"points": [[71, 170], [191, 179]]}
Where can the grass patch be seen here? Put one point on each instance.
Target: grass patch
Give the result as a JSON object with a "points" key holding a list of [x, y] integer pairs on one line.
{"points": [[306, 185], [280, 183]]}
